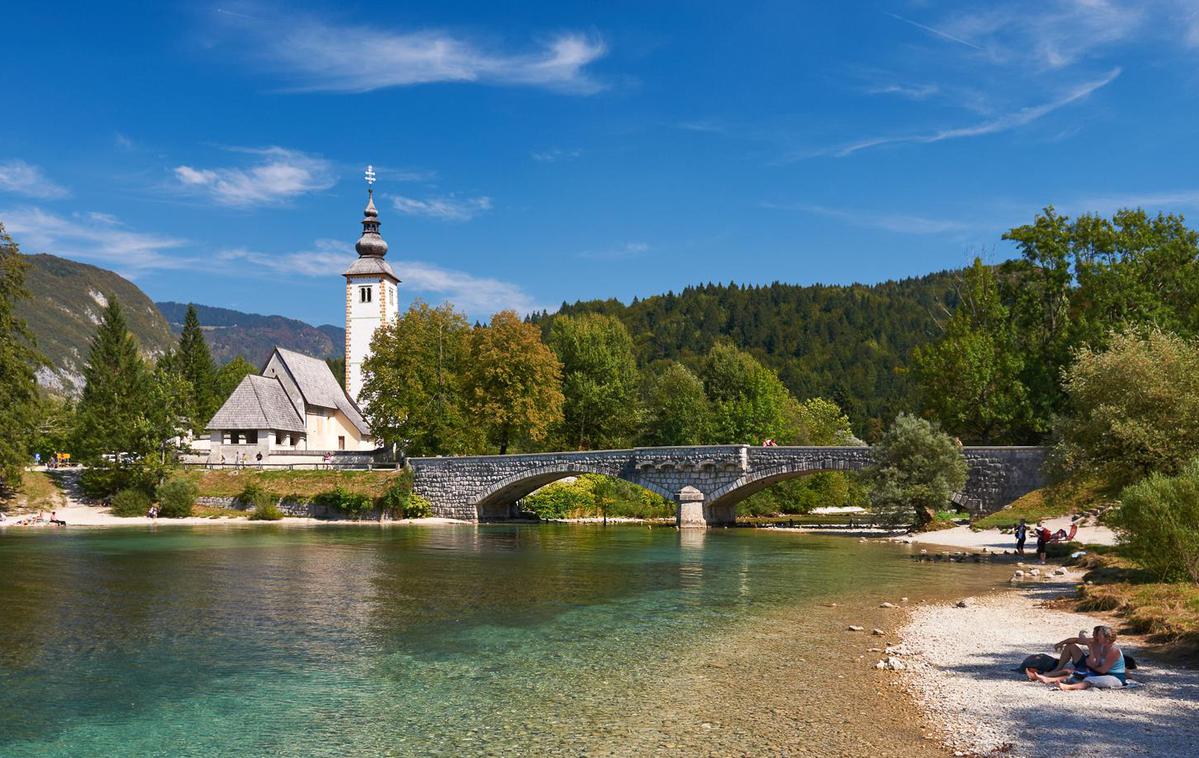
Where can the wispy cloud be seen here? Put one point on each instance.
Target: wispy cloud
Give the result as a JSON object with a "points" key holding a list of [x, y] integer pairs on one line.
{"points": [[478, 296], [619, 253], [21, 178], [936, 32], [909, 91], [554, 155], [901, 223], [322, 55], [1152, 202], [97, 237], [1003, 123], [448, 208], [279, 175]]}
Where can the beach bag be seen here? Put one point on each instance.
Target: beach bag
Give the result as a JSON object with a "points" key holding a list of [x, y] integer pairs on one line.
{"points": [[1040, 662]]}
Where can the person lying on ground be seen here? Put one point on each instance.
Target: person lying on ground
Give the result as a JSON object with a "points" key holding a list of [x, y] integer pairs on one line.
{"points": [[1061, 535], [1073, 658], [1104, 666]]}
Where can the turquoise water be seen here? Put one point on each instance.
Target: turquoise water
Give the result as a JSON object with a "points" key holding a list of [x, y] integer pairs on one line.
{"points": [[252, 640]]}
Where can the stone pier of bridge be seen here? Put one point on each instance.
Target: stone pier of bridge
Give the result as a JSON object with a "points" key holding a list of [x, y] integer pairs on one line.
{"points": [[706, 482]]}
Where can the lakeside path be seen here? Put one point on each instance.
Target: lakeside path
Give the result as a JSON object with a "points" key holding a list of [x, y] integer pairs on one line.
{"points": [[994, 540], [959, 663]]}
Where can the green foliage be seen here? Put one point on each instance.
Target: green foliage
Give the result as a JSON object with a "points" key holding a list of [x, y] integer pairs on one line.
{"points": [[845, 343], [1134, 408], [413, 382], [970, 379], [917, 468], [749, 403], [401, 501], [594, 495], [676, 408], [254, 495], [267, 511], [130, 502], [230, 375], [1158, 523], [824, 489], [177, 497], [18, 361], [341, 500], [817, 421], [599, 380], [192, 362], [514, 382]]}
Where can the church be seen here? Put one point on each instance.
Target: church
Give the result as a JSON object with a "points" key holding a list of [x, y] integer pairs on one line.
{"points": [[294, 412]]}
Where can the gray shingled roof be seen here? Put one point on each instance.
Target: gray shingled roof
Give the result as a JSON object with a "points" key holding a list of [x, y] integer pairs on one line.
{"points": [[258, 403], [370, 265], [319, 387]]}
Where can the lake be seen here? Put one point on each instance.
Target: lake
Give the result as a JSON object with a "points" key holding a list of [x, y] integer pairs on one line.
{"points": [[374, 640]]}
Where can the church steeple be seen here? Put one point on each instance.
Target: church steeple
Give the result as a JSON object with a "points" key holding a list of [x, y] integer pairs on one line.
{"points": [[370, 243]]}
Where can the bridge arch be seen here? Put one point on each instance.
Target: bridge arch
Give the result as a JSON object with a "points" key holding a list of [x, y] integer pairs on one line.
{"points": [[495, 499], [721, 505]]}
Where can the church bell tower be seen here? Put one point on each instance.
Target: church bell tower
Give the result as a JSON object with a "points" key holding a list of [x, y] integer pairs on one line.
{"points": [[370, 292]]}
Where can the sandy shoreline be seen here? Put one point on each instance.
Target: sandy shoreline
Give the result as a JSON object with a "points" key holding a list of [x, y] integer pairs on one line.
{"points": [[959, 663]]}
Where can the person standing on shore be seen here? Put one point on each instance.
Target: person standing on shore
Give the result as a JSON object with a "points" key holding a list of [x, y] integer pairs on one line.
{"points": [[1021, 535], [1042, 540]]}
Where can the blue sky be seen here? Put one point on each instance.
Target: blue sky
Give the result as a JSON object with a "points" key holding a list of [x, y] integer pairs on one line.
{"points": [[530, 153]]}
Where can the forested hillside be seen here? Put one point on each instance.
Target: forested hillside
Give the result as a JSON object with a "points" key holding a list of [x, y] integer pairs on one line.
{"points": [[67, 299], [850, 344], [231, 333]]}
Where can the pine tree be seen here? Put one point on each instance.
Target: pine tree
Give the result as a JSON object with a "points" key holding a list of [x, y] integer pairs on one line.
{"points": [[112, 426], [18, 361], [194, 363]]}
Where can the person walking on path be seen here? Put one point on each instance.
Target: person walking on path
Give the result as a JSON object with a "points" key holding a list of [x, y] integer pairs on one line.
{"points": [[1043, 535], [1021, 535]]}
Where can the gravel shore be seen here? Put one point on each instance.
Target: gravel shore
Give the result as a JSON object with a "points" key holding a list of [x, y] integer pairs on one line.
{"points": [[959, 668]]}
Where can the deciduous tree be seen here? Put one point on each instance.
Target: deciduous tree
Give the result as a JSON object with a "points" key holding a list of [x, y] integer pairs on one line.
{"points": [[676, 408], [749, 403], [513, 381], [599, 380], [916, 470]]}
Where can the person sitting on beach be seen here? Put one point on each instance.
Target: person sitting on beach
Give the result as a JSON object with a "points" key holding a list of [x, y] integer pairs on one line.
{"points": [[54, 519], [1073, 657], [1103, 667], [1061, 535]]}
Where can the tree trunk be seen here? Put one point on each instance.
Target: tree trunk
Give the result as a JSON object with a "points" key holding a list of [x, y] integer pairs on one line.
{"points": [[925, 515]]}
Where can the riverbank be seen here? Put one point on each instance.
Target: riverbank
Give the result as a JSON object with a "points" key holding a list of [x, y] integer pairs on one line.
{"points": [[959, 662], [92, 515], [996, 541]]}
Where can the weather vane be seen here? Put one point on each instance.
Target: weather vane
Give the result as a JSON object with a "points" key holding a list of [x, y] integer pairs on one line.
{"points": [[370, 176]]}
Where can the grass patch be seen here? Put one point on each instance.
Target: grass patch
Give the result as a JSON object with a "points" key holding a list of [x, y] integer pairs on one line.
{"points": [[1061, 499], [306, 484], [1166, 612], [214, 512], [38, 492]]}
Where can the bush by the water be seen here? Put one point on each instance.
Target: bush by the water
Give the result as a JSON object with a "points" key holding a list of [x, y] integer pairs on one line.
{"points": [[352, 504], [266, 511], [176, 497], [130, 503], [401, 501], [255, 496], [1158, 522], [917, 468]]}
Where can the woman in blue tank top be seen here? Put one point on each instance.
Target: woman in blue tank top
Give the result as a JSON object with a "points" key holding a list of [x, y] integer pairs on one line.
{"points": [[1104, 665]]}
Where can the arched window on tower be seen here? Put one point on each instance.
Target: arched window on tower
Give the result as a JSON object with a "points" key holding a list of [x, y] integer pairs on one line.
{"points": [[364, 294]]}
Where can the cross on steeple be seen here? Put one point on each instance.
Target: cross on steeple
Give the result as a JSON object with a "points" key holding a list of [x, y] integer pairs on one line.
{"points": [[370, 176]]}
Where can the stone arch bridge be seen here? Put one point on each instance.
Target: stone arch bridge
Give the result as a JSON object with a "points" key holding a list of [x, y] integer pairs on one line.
{"points": [[706, 482]]}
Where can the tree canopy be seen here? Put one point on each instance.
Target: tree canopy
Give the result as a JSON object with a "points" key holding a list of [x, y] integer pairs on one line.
{"points": [[18, 361]]}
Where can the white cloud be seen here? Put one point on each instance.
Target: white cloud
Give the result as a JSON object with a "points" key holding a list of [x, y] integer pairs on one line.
{"points": [[1152, 202], [97, 237], [909, 91], [1002, 123], [901, 223], [621, 252], [555, 154], [321, 55], [448, 208], [23, 178], [936, 32], [479, 297], [279, 175]]}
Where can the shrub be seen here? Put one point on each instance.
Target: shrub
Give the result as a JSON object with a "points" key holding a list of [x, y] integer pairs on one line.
{"points": [[417, 507], [917, 468], [253, 495], [130, 503], [176, 497], [266, 511], [401, 501], [352, 504], [1158, 521], [561, 500]]}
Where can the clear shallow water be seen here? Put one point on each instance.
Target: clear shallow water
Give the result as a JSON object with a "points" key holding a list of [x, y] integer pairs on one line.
{"points": [[289, 641]]}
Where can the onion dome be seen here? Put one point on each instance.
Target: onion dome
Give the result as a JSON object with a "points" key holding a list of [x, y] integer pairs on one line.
{"points": [[370, 244]]}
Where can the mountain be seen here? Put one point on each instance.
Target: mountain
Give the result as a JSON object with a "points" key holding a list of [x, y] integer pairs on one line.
{"points": [[232, 333], [66, 303], [850, 344]]}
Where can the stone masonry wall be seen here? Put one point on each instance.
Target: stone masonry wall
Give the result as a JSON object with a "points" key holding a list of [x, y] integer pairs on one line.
{"points": [[472, 486]]}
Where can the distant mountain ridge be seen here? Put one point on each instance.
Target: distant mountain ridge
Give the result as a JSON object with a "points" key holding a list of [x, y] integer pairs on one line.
{"points": [[232, 333], [67, 300]]}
